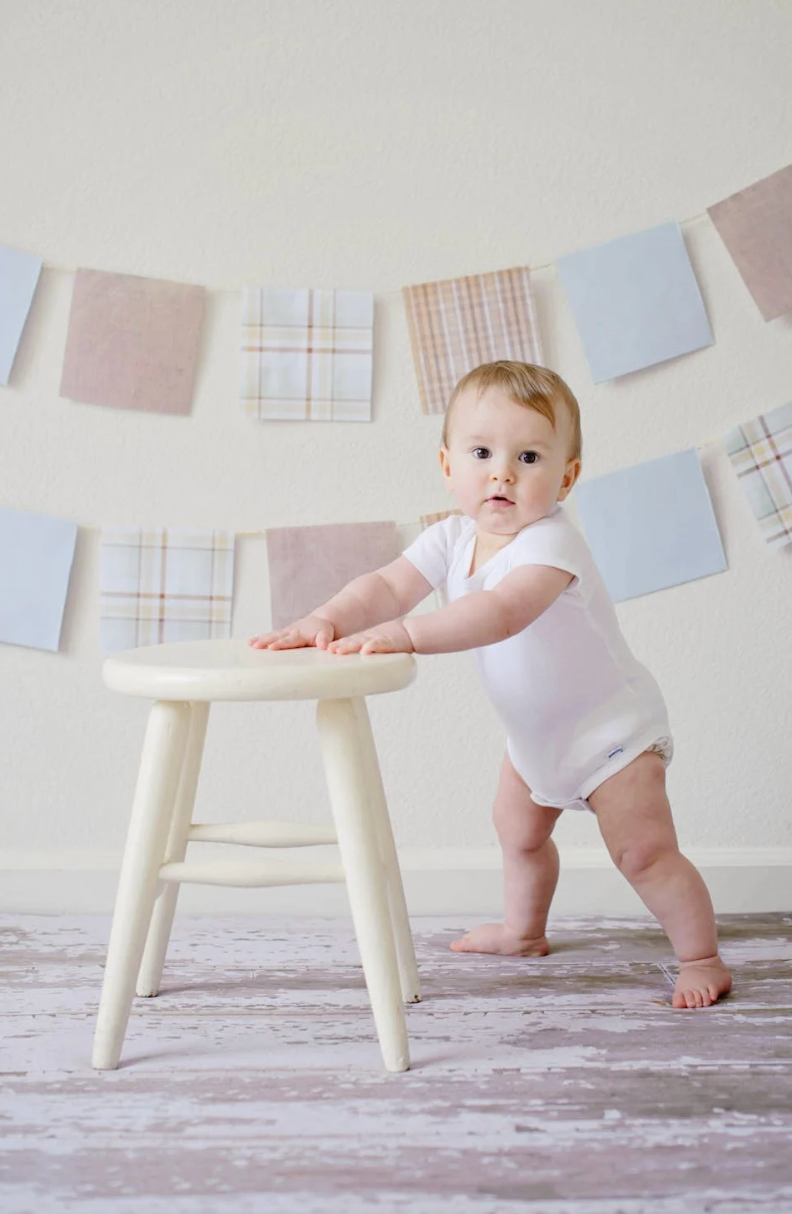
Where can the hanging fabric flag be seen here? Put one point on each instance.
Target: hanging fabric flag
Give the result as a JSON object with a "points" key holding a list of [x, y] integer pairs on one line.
{"points": [[307, 355], [132, 342], [756, 227], [428, 520], [651, 526], [36, 556], [635, 301], [308, 565], [460, 323], [165, 585], [761, 454], [19, 274]]}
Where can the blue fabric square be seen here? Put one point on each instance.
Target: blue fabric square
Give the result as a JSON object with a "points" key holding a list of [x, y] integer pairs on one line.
{"points": [[651, 526], [36, 554], [636, 301]]}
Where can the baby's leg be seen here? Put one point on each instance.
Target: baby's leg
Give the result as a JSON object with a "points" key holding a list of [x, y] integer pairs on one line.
{"points": [[635, 820], [530, 873]]}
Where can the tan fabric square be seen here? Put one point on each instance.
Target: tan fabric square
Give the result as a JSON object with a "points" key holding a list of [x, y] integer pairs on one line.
{"points": [[132, 342], [756, 227], [308, 565]]}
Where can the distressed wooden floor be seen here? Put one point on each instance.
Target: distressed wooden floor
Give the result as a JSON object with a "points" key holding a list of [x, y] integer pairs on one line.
{"points": [[253, 1083]]}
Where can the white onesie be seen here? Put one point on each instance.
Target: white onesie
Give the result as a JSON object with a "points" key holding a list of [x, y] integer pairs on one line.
{"points": [[577, 705]]}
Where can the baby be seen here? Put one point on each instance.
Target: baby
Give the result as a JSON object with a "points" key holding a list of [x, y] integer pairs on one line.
{"points": [[586, 722]]}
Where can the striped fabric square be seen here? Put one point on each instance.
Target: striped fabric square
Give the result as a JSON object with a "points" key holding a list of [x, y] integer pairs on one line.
{"points": [[307, 355], [163, 585], [308, 565], [460, 323], [761, 453]]}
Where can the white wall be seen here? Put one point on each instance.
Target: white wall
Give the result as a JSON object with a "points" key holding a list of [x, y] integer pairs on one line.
{"points": [[372, 144]]}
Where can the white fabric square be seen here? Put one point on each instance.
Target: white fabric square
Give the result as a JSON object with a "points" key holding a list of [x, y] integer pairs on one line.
{"points": [[163, 585], [307, 355]]}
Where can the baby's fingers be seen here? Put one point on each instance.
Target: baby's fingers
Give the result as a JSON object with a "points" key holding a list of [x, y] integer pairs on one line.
{"points": [[289, 640], [263, 641], [377, 645], [346, 645]]}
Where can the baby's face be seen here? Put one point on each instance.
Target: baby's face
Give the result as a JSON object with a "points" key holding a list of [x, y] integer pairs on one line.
{"points": [[504, 463]]}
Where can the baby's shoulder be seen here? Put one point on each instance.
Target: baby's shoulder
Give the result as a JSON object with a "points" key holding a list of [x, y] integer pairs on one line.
{"points": [[553, 540], [455, 529], [554, 530]]}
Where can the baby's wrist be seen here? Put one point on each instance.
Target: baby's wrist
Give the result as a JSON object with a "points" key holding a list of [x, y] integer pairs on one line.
{"points": [[407, 628]]}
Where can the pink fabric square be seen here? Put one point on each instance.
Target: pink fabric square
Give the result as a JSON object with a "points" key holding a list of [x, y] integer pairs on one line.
{"points": [[756, 227], [308, 565], [132, 342]]}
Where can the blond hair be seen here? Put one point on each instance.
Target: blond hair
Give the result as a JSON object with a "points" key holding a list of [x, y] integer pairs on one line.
{"points": [[534, 387]]}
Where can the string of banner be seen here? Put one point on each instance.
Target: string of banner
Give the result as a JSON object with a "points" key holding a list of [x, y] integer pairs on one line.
{"points": [[755, 227]]}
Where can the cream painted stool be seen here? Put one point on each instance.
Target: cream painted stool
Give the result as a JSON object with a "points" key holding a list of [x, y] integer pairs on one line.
{"points": [[184, 679]]}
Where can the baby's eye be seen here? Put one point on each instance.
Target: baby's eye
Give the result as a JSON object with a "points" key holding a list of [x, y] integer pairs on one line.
{"points": [[481, 452], [529, 457]]}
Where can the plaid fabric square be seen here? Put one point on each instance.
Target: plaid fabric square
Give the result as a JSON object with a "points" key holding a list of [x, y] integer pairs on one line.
{"points": [[428, 520], [308, 565], [307, 355], [761, 453], [460, 323], [163, 585], [756, 227]]}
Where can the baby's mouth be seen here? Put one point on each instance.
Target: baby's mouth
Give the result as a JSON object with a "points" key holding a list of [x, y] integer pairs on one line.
{"points": [[498, 499]]}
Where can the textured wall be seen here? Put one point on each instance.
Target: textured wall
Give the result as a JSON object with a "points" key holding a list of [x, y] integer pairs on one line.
{"points": [[370, 144]]}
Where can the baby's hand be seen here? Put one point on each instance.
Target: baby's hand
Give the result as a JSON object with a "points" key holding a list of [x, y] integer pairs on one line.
{"points": [[391, 637], [310, 630]]}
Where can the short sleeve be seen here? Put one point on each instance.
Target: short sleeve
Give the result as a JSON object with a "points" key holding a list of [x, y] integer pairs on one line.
{"points": [[553, 541], [431, 553]]}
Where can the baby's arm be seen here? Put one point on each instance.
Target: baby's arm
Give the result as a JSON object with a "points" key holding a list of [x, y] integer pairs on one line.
{"points": [[364, 602], [477, 619]]}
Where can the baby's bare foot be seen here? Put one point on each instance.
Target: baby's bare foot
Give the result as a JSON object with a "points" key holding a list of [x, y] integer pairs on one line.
{"points": [[701, 983], [498, 938]]}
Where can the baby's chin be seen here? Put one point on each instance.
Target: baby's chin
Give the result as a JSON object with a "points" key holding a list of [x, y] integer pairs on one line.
{"points": [[508, 522]]}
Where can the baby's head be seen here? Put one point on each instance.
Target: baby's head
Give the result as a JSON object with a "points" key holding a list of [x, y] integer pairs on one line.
{"points": [[511, 444]]}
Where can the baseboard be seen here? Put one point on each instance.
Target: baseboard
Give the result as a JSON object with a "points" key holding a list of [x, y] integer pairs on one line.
{"points": [[438, 881]]}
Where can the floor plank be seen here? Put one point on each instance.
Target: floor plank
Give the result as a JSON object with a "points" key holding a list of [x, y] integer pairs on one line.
{"points": [[553, 1085]]}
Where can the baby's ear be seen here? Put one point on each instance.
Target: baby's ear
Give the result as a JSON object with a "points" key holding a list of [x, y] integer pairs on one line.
{"points": [[570, 478], [445, 464]]}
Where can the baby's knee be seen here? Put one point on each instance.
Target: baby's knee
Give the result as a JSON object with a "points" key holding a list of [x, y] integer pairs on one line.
{"points": [[520, 832], [636, 859]]}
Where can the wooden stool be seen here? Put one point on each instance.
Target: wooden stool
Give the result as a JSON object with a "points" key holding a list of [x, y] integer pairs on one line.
{"points": [[184, 679]]}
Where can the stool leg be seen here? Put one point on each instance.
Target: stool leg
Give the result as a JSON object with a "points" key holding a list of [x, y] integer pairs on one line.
{"points": [[349, 784], [405, 950], [152, 810], [150, 976]]}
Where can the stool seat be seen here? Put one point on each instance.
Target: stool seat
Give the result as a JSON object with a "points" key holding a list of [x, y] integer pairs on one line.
{"points": [[233, 670]]}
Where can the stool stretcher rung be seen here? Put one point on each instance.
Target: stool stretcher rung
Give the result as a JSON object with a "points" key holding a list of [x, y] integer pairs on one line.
{"points": [[251, 873], [263, 834]]}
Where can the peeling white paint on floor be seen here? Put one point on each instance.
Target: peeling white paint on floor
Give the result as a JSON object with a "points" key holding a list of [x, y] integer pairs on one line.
{"points": [[254, 1081]]}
